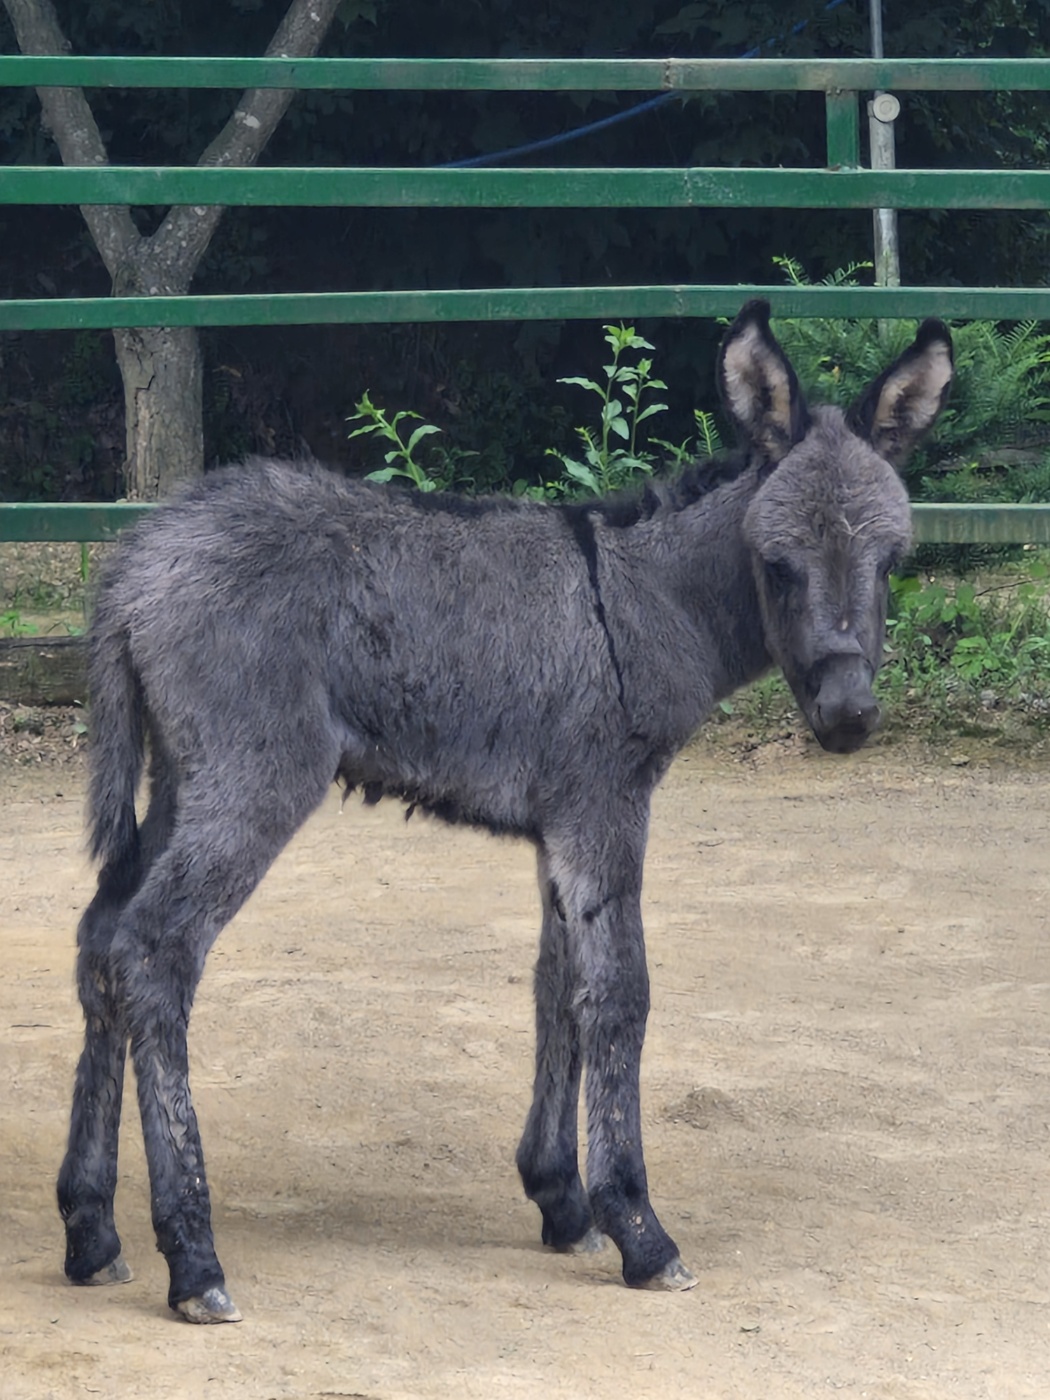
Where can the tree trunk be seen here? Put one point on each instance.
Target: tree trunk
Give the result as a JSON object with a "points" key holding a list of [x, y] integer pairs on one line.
{"points": [[162, 371], [161, 367]]}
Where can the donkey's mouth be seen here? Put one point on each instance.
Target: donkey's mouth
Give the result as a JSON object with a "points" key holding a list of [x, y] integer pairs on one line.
{"points": [[849, 737], [841, 708]]}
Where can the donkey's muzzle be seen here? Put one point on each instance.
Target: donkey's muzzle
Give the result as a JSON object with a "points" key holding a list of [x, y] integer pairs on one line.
{"points": [[843, 711]]}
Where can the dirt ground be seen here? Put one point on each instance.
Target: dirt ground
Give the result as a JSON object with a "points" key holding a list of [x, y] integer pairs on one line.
{"points": [[846, 1101]]}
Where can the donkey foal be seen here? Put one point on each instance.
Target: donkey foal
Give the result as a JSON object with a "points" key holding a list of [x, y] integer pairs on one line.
{"points": [[528, 668]]}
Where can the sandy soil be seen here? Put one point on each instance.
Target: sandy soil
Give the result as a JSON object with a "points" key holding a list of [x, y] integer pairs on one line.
{"points": [[846, 1089]]}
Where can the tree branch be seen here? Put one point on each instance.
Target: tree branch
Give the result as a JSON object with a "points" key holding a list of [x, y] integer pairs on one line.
{"points": [[68, 118], [186, 231], [175, 249]]}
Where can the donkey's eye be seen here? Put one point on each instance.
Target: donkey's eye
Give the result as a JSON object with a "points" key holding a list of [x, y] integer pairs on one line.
{"points": [[889, 563], [783, 575]]}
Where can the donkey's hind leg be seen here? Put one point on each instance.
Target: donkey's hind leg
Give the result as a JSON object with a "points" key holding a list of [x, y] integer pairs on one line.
{"points": [[548, 1154], [88, 1177], [228, 831]]}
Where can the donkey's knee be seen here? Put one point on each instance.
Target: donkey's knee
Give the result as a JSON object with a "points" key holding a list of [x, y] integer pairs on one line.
{"points": [[96, 988]]}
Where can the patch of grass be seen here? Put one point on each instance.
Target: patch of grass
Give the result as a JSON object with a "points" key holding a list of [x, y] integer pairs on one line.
{"points": [[45, 586], [965, 652], [13, 624], [766, 707]]}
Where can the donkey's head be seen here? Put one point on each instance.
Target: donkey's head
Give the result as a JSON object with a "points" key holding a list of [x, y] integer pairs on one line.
{"points": [[830, 518]]}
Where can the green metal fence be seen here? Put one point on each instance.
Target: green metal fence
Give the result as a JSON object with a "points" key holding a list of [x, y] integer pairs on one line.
{"points": [[838, 185]]}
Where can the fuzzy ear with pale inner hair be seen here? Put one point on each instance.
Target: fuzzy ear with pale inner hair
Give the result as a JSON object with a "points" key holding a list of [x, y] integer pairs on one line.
{"points": [[759, 388], [899, 407]]}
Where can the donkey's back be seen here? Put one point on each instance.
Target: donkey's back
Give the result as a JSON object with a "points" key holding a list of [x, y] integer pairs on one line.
{"points": [[450, 652]]}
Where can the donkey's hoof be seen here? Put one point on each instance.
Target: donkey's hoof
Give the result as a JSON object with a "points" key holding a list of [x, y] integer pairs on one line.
{"points": [[119, 1271], [672, 1278], [213, 1305], [593, 1242]]}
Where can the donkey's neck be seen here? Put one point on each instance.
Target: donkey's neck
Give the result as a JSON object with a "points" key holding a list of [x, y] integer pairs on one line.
{"points": [[709, 573]]}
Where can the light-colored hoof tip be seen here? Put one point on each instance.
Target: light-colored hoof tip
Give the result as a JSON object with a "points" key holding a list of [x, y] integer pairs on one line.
{"points": [[673, 1278], [593, 1242], [117, 1272], [212, 1306]]}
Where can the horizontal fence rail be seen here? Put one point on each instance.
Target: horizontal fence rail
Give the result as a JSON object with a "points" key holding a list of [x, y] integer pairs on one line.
{"points": [[519, 304], [78, 523], [947, 523], [576, 187], [683, 75]]}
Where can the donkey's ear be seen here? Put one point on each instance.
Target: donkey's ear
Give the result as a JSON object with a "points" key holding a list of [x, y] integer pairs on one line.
{"points": [[759, 388], [903, 403]]}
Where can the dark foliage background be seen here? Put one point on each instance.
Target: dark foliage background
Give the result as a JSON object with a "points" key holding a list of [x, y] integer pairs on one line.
{"points": [[285, 390]]}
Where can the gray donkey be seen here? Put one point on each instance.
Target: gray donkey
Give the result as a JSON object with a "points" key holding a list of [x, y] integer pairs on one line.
{"points": [[528, 668]]}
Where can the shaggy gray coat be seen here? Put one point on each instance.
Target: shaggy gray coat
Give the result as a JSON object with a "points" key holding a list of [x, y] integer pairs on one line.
{"points": [[525, 667]]}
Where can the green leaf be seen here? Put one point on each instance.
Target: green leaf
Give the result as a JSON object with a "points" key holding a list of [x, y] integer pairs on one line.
{"points": [[650, 410], [424, 431], [901, 587], [582, 474], [584, 384]]}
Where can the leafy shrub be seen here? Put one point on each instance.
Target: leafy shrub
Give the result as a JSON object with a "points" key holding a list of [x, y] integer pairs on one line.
{"points": [[1001, 393], [996, 634], [612, 457]]}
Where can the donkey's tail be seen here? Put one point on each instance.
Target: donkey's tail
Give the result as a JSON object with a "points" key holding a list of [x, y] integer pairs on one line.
{"points": [[117, 745]]}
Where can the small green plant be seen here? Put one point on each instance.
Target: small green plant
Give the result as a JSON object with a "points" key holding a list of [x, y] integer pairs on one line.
{"points": [[451, 468], [12, 624], [612, 456], [841, 276], [400, 459], [708, 442]]}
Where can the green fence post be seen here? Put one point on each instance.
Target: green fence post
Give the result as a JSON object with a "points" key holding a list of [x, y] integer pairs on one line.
{"points": [[843, 126]]}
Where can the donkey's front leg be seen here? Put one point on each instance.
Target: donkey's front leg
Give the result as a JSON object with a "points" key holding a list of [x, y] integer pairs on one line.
{"points": [[605, 925]]}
